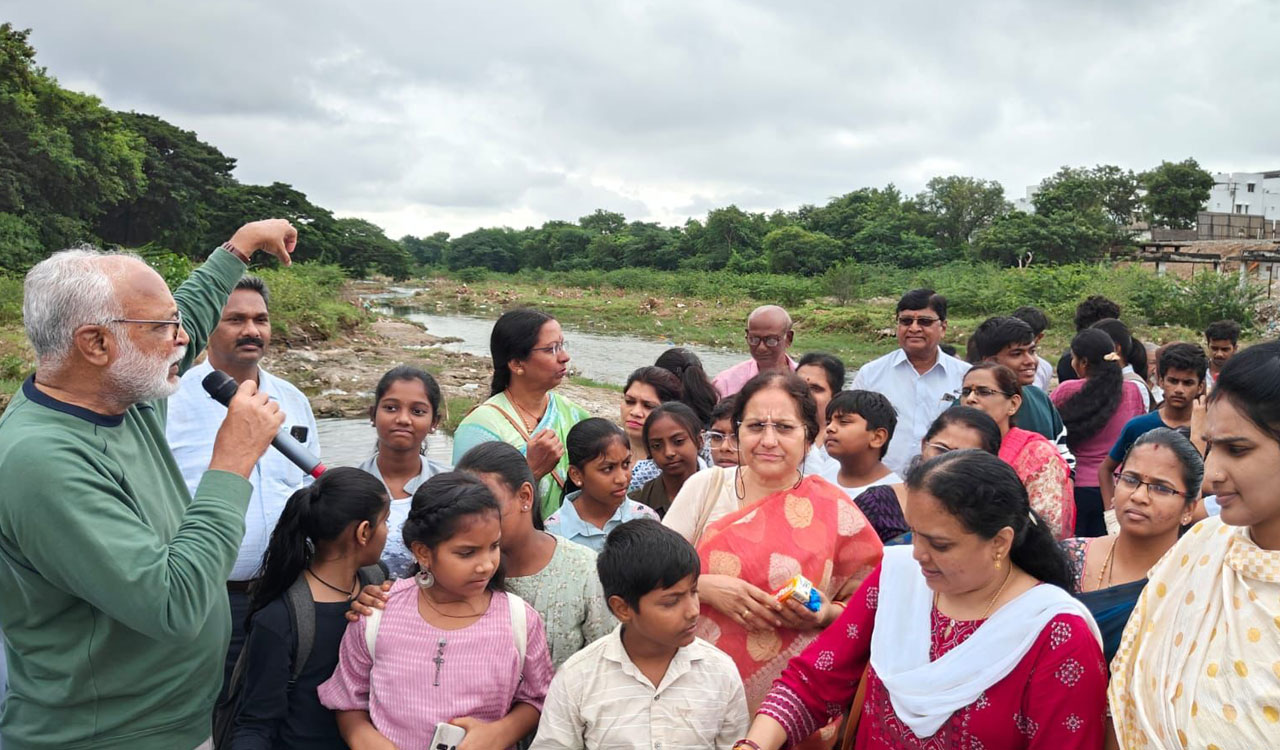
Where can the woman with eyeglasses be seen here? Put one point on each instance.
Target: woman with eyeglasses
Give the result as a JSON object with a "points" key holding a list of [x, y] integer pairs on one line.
{"points": [[994, 388], [1094, 409], [1199, 661], [759, 524], [1157, 486], [529, 360]]}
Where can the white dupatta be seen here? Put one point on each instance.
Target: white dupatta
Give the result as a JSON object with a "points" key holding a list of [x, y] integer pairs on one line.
{"points": [[925, 693]]}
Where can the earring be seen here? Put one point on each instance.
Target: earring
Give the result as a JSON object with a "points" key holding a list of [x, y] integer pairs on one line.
{"points": [[520, 371], [997, 563], [525, 509], [424, 579]]}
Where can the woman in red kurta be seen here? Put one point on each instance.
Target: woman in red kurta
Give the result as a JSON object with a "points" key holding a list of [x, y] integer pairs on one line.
{"points": [[956, 652]]}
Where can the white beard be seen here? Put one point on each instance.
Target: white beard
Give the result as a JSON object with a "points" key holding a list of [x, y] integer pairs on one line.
{"points": [[137, 378]]}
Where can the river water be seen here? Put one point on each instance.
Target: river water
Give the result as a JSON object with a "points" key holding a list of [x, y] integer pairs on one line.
{"points": [[601, 357]]}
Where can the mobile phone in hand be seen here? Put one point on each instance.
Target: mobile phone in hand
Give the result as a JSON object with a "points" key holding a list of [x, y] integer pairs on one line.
{"points": [[447, 737]]}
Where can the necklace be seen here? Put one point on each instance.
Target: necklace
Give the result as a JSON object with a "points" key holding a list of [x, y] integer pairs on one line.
{"points": [[436, 609], [946, 634], [345, 592], [525, 415], [1107, 565]]}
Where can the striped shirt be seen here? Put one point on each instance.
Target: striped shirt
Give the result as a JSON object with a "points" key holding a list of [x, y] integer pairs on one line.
{"points": [[479, 674], [599, 699]]}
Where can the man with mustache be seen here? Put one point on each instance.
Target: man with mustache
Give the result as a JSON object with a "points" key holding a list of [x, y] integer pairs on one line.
{"points": [[111, 572], [237, 347]]}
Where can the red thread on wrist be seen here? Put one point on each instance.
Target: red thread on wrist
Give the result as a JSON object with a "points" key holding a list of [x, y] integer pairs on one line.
{"points": [[744, 742]]}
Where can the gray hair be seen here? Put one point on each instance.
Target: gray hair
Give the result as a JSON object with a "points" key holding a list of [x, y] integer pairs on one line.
{"points": [[67, 290]]}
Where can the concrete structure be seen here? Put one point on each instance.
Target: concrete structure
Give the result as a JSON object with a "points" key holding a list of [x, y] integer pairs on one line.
{"points": [[1247, 193]]}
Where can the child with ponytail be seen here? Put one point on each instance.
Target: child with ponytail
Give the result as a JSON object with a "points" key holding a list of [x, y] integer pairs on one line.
{"points": [[1094, 409], [450, 645], [327, 533], [599, 475]]}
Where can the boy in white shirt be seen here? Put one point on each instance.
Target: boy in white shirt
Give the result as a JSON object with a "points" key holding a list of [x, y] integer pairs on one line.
{"points": [[650, 683], [860, 425]]}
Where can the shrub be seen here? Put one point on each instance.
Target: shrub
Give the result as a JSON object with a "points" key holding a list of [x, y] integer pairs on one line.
{"points": [[306, 299], [1197, 301], [471, 274]]}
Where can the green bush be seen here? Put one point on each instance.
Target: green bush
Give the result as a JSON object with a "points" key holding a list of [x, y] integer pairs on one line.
{"points": [[306, 299], [1198, 301], [471, 274], [172, 267], [10, 300]]}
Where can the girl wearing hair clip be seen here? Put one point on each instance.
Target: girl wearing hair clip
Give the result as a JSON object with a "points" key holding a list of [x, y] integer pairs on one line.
{"points": [[1094, 410]]}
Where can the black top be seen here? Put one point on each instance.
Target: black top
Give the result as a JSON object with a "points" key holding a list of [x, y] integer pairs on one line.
{"points": [[1065, 370], [271, 715]]}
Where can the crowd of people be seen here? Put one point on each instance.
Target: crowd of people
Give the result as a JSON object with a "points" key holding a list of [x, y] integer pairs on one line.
{"points": [[947, 552]]}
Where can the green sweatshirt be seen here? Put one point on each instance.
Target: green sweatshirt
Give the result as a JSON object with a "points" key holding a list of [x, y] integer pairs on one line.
{"points": [[112, 596]]}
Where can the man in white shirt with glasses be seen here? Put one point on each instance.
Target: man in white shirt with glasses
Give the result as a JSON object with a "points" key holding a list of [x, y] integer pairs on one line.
{"points": [[918, 378]]}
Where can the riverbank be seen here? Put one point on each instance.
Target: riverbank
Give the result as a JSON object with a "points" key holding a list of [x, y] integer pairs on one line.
{"points": [[339, 375], [857, 331]]}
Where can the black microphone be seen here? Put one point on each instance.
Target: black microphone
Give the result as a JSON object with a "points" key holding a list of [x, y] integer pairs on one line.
{"points": [[222, 387]]}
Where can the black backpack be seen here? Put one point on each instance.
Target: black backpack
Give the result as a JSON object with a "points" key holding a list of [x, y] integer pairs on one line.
{"points": [[302, 613]]}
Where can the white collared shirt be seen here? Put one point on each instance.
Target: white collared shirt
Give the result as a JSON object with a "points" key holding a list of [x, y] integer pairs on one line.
{"points": [[918, 399], [600, 699], [194, 418], [395, 555]]}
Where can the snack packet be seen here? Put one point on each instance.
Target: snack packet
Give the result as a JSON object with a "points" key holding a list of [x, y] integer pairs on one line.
{"points": [[800, 589]]}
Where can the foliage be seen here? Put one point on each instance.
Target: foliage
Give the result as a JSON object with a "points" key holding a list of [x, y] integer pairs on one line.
{"points": [[306, 301], [958, 207], [1175, 193], [1198, 301], [1065, 236], [10, 300], [172, 267]]}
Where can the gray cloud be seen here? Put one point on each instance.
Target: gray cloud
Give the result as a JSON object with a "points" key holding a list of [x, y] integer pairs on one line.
{"points": [[435, 115]]}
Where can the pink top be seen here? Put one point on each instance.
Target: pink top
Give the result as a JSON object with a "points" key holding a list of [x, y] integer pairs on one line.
{"points": [[731, 380], [1090, 453], [480, 675]]}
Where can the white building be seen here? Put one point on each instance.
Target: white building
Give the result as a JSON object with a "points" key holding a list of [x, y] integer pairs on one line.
{"points": [[1249, 193]]}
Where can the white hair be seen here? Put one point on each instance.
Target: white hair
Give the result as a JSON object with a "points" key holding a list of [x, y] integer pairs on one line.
{"points": [[69, 289]]}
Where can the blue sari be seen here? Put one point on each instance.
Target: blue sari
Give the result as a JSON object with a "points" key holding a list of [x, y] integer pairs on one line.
{"points": [[1111, 608]]}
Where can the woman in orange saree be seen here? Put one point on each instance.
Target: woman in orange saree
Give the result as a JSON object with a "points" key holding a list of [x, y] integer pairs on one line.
{"points": [[758, 526]]}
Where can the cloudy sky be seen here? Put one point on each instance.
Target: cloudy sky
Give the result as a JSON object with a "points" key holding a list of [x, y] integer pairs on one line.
{"points": [[428, 115]]}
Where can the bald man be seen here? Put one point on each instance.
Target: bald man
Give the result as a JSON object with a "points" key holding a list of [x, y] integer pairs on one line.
{"points": [[112, 574], [769, 335]]}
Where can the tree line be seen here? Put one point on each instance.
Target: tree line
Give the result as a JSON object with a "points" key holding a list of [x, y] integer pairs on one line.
{"points": [[74, 171]]}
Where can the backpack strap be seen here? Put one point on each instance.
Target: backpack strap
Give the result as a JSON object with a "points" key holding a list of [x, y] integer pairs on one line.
{"points": [[519, 625], [371, 623], [302, 609]]}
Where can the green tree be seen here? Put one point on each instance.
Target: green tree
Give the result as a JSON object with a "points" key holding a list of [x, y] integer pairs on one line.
{"points": [[64, 158], [363, 246], [184, 176], [1176, 193], [796, 250], [558, 245], [495, 248], [957, 207], [604, 222], [1068, 236], [729, 230], [429, 251]]}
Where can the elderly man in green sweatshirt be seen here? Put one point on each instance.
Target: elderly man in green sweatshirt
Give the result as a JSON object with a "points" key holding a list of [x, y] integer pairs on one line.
{"points": [[112, 575]]}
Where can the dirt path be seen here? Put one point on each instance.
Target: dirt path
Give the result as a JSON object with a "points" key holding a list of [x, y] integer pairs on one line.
{"points": [[339, 376]]}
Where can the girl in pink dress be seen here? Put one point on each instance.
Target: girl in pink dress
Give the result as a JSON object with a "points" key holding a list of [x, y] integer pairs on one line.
{"points": [[450, 642], [967, 640]]}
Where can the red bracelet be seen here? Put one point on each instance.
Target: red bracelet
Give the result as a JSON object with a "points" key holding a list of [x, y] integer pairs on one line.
{"points": [[744, 742], [236, 252]]}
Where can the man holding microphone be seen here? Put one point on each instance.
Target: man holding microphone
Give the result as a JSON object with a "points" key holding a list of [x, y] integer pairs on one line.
{"points": [[112, 575]]}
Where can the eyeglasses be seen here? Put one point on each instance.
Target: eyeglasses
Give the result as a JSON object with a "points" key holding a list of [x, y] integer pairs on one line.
{"points": [[770, 341], [718, 439], [175, 321], [783, 429], [1131, 483], [906, 321], [553, 350], [982, 391]]}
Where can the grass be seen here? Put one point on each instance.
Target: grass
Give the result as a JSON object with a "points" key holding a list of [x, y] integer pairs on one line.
{"points": [[850, 312], [455, 408]]}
